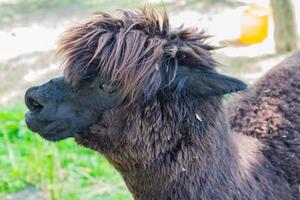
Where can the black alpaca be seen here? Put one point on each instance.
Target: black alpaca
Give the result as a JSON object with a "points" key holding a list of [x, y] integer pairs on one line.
{"points": [[150, 100]]}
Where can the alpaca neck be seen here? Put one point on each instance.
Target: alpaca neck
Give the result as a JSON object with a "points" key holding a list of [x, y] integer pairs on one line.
{"points": [[211, 164], [200, 162], [168, 153]]}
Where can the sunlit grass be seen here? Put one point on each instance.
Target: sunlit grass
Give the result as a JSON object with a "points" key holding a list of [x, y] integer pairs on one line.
{"points": [[61, 170]]}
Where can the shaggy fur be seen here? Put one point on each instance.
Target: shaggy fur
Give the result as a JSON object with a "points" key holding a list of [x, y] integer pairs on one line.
{"points": [[131, 50], [270, 111], [169, 143]]}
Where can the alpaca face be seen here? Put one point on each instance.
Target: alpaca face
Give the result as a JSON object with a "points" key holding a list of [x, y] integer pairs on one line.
{"points": [[58, 110], [137, 58]]}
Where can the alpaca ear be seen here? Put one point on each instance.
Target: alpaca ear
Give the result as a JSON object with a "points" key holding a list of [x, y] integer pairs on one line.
{"points": [[206, 83]]}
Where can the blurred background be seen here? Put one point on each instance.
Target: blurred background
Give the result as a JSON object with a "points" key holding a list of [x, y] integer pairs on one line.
{"points": [[255, 34]]}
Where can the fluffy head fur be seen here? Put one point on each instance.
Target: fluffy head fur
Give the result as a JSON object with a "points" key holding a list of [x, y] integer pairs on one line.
{"points": [[132, 50]]}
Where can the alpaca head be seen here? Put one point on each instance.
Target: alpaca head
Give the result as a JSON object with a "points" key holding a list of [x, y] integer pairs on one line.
{"points": [[115, 67]]}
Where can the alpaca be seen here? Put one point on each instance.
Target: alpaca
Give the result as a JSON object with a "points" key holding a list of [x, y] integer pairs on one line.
{"points": [[149, 99], [270, 111]]}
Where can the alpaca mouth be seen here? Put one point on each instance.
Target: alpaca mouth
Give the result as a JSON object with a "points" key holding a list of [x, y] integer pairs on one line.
{"points": [[49, 130], [50, 136]]}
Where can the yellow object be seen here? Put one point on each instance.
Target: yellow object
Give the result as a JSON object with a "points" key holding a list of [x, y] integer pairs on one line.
{"points": [[254, 27]]}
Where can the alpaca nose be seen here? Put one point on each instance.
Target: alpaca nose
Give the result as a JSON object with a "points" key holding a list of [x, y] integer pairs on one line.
{"points": [[31, 100]]}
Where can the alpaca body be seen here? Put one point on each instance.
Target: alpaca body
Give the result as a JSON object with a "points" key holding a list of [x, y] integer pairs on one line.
{"points": [[270, 111], [149, 98]]}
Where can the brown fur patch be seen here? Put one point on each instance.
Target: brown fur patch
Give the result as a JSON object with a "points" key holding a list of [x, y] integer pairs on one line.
{"points": [[248, 154]]}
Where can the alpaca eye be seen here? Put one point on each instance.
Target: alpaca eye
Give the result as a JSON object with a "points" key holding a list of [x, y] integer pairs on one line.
{"points": [[108, 88]]}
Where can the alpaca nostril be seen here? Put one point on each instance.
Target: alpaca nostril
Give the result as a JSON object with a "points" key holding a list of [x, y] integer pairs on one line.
{"points": [[32, 104]]}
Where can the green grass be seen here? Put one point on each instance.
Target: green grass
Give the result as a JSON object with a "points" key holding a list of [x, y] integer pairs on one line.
{"points": [[61, 170]]}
